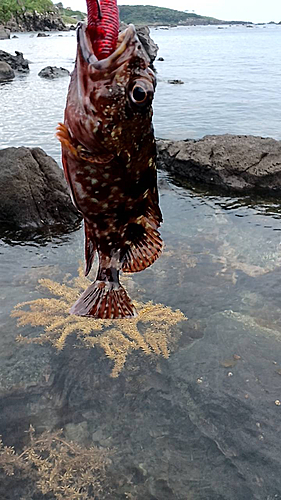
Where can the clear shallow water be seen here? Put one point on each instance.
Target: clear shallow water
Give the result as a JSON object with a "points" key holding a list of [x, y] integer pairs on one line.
{"points": [[204, 423]]}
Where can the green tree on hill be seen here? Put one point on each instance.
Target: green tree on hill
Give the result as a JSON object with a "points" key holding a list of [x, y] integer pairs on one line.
{"points": [[16, 8], [146, 14]]}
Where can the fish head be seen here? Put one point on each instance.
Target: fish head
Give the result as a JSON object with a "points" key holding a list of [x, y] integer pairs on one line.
{"points": [[109, 103]]}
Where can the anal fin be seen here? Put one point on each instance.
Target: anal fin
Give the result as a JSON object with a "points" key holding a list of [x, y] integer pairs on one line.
{"points": [[143, 252]]}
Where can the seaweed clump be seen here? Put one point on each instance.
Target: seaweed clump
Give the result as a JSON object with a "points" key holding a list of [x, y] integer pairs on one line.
{"points": [[53, 466], [151, 331]]}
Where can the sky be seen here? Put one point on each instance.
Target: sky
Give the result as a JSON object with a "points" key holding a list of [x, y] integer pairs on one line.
{"points": [[257, 11]]}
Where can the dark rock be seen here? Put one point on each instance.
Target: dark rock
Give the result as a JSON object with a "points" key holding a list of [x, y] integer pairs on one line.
{"points": [[6, 72], [52, 72], [232, 162], [176, 82], [160, 59], [42, 35], [149, 45], [15, 36], [33, 190], [4, 33], [16, 62], [72, 27]]}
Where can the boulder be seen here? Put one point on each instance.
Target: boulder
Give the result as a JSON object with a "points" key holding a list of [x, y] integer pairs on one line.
{"points": [[34, 193], [149, 45], [4, 33], [52, 72], [6, 72], [231, 162], [42, 35], [16, 62]]}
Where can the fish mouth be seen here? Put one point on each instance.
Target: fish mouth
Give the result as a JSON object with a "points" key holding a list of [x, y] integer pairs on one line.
{"points": [[125, 38]]}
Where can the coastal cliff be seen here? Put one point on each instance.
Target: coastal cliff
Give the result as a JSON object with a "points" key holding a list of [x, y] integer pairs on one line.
{"points": [[35, 21], [39, 15]]}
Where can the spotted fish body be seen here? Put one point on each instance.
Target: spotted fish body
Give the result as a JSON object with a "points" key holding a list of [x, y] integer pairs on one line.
{"points": [[108, 152]]}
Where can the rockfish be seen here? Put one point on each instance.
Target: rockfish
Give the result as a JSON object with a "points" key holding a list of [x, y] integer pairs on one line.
{"points": [[108, 154]]}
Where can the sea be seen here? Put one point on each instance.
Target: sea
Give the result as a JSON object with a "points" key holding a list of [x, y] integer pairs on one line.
{"points": [[187, 399]]}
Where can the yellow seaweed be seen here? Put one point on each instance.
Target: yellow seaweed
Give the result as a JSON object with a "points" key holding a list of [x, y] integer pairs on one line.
{"points": [[151, 331], [58, 467]]}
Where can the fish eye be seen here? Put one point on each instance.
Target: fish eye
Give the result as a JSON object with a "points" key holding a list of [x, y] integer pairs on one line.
{"points": [[139, 94]]}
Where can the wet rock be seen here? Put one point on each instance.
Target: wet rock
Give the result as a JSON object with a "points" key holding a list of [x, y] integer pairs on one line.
{"points": [[148, 44], [176, 82], [42, 35], [52, 72], [33, 190], [6, 72], [231, 162], [4, 33], [17, 62], [160, 59]]}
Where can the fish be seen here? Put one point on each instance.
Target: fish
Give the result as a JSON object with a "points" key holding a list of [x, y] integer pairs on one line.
{"points": [[109, 160]]}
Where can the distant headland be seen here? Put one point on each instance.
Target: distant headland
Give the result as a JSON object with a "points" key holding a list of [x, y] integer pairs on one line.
{"points": [[44, 15], [159, 16]]}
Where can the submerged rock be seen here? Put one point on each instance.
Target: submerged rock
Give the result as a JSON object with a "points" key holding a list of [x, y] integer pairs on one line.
{"points": [[52, 72], [6, 72], [16, 62], [232, 162], [33, 190]]}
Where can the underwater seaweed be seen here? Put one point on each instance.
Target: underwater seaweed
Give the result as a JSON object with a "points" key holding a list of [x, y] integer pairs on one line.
{"points": [[151, 331], [57, 466]]}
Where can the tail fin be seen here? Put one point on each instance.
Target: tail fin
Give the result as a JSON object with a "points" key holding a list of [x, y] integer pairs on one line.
{"points": [[104, 300]]}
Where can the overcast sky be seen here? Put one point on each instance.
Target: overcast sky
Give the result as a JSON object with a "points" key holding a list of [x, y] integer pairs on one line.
{"points": [[229, 10]]}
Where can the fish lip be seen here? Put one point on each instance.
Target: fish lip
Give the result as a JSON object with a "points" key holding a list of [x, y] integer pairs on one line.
{"points": [[83, 42]]}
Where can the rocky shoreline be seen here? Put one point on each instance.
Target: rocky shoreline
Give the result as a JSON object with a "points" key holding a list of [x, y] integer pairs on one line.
{"points": [[232, 163], [34, 193]]}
